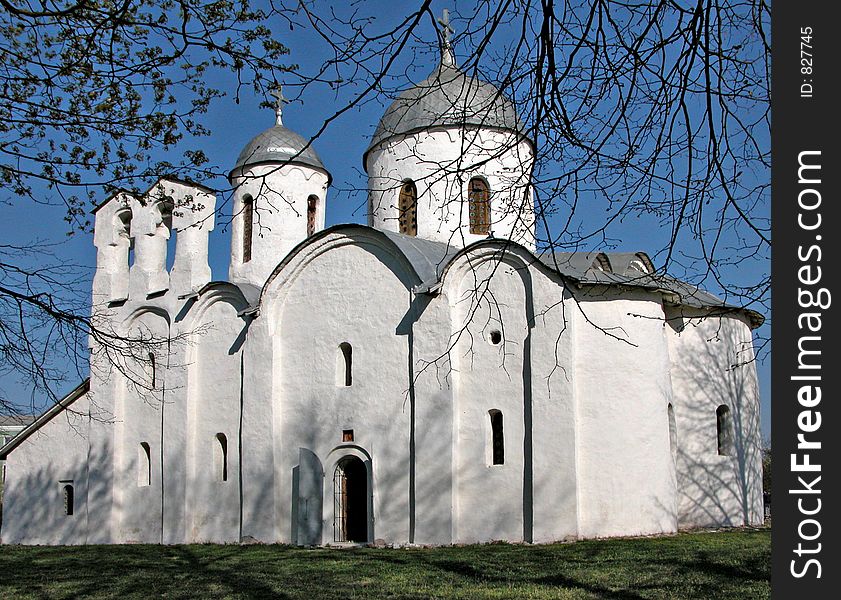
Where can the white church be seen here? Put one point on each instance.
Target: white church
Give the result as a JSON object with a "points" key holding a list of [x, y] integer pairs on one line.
{"points": [[430, 378]]}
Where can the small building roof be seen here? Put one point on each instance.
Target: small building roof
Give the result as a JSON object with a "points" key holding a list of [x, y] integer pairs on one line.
{"points": [[46, 417], [15, 420]]}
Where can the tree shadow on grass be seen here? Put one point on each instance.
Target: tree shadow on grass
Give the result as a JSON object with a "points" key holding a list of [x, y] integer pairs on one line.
{"points": [[692, 566]]}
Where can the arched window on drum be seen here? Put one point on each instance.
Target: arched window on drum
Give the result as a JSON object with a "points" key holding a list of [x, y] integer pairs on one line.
{"points": [[408, 208], [479, 206]]}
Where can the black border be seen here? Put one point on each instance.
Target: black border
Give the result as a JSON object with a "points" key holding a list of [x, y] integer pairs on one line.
{"points": [[801, 123]]}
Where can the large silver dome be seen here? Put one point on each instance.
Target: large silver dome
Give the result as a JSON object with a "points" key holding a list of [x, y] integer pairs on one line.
{"points": [[278, 144], [447, 97]]}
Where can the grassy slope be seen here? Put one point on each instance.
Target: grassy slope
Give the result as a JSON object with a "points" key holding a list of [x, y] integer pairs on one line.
{"points": [[733, 564]]}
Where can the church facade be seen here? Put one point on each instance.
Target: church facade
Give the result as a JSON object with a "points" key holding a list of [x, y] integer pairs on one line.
{"points": [[430, 378]]}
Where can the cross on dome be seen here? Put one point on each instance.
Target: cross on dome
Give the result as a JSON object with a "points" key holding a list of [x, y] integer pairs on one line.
{"points": [[447, 57], [280, 100]]}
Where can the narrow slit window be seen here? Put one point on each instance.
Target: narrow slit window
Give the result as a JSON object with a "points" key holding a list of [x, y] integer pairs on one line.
{"points": [[672, 432], [479, 206], [312, 208], [408, 207], [724, 429], [247, 225], [497, 438], [220, 457], [69, 500], [344, 365], [144, 465], [153, 375]]}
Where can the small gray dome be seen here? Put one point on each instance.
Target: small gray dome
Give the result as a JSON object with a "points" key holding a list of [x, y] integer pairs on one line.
{"points": [[278, 144], [447, 97]]}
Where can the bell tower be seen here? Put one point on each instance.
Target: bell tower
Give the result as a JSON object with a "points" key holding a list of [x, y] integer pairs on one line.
{"points": [[280, 190]]}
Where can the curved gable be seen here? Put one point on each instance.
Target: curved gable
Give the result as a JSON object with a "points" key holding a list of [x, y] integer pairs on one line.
{"points": [[376, 242], [213, 293]]}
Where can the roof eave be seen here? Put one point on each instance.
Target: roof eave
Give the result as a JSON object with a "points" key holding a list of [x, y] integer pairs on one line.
{"points": [[79, 391]]}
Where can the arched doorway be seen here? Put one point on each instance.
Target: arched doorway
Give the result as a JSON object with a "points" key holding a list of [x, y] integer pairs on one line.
{"points": [[350, 493]]}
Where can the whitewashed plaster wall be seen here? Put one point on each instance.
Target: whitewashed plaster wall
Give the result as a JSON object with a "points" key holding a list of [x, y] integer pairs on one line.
{"points": [[532, 495], [146, 224], [121, 410], [150, 233], [106, 385], [139, 470], [260, 506], [427, 328], [36, 473], [441, 161], [491, 501], [626, 482], [193, 211], [279, 223], [712, 363], [98, 457], [181, 502], [214, 409], [554, 410], [313, 310]]}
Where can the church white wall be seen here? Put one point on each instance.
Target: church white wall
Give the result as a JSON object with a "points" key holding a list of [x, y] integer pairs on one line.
{"points": [[174, 426], [712, 364], [37, 472], [527, 376], [124, 409], [105, 383], [112, 238], [168, 209], [139, 472], [193, 212], [587, 449], [261, 497], [433, 432], [324, 306], [626, 480], [441, 162], [554, 411], [180, 503], [493, 502], [150, 234], [213, 397], [100, 461]]}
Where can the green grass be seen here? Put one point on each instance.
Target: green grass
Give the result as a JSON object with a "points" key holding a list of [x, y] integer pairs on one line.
{"points": [[707, 565]]}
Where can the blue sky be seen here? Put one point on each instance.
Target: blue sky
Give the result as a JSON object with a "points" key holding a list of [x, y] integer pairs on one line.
{"points": [[341, 148]]}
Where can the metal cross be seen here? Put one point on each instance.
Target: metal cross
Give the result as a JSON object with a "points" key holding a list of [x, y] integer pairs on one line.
{"points": [[447, 57], [446, 30], [280, 101]]}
